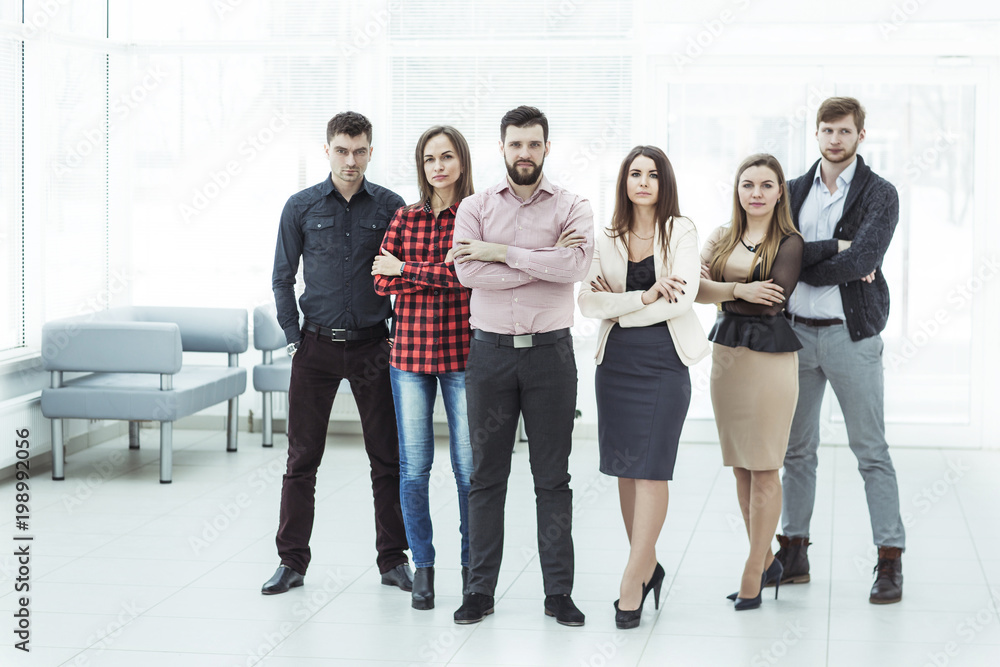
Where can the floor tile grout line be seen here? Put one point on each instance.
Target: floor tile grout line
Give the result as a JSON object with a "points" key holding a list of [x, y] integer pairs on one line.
{"points": [[680, 563], [994, 600], [829, 582]]}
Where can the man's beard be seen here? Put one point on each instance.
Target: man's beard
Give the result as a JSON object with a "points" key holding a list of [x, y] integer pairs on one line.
{"points": [[846, 154], [519, 177]]}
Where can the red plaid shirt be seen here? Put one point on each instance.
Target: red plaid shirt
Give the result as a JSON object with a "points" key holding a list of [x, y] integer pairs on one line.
{"points": [[432, 308]]}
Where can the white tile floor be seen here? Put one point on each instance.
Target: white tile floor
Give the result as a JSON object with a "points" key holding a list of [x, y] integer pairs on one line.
{"points": [[128, 572]]}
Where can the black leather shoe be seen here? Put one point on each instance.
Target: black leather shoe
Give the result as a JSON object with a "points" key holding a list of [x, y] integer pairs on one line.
{"points": [[475, 607], [888, 586], [562, 607], [283, 579], [399, 576], [423, 588]]}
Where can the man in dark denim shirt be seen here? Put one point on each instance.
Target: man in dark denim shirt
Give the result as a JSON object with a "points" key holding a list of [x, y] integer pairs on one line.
{"points": [[336, 227]]}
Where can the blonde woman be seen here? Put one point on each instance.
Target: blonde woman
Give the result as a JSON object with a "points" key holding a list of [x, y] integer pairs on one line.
{"points": [[750, 268]]}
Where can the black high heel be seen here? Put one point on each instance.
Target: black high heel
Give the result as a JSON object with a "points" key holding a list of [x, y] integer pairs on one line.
{"points": [[629, 618], [742, 604], [655, 583], [772, 575]]}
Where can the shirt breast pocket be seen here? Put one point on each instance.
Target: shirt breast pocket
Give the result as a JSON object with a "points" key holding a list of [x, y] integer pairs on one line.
{"points": [[371, 231], [319, 234]]}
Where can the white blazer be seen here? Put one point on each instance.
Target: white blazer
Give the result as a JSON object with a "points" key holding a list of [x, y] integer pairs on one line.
{"points": [[626, 308]]}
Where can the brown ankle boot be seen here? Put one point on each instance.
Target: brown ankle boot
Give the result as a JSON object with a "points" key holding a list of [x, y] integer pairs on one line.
{"points": [[888, 586], [794, 558]]}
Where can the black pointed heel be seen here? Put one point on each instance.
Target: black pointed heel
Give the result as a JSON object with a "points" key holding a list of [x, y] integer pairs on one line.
{"points": [[772, 575], [655, 583]]}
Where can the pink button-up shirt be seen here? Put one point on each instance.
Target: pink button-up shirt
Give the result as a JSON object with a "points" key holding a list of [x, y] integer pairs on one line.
{"points": [[533, 291]]}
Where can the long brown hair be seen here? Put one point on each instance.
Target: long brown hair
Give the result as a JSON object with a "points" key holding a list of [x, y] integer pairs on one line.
{"points": [[463, 187], [781, 224], [667, 206]]}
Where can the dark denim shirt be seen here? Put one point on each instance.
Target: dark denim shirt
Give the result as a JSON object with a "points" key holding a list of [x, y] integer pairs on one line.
{"points": [[337, 242]]}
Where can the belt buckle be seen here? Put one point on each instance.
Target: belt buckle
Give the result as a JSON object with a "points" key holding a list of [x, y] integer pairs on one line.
{"points": [[333, 335], [522, 341]]}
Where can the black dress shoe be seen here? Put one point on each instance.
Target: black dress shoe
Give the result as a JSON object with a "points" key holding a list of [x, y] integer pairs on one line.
{"points": [[283, 579], [475, 607], [562, 607], [423, 588], [399, 576]]}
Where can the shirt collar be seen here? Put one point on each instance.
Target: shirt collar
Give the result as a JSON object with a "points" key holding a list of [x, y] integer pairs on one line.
{"points": [[430, 209], [543, 185], [845, 177], [327, 187]]}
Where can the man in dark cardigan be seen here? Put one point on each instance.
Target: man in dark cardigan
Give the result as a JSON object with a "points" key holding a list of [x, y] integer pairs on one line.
{"points": [[847, 215]]}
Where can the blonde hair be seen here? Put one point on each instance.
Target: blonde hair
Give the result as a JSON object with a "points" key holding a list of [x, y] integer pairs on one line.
{"points": [[781, 224]]}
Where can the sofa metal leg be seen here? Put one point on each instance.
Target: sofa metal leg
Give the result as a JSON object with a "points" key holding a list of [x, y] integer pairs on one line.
{"points": [[166, 452], [57, 450], [133, 435], [231, 424], [268, 430]]}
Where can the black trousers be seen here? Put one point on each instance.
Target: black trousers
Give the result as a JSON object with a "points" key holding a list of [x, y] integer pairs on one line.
{"points": [[540, 384], [317, 369]]}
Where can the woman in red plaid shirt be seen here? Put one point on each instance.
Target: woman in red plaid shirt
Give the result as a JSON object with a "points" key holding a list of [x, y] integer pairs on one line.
{"points": [[431, 341]]}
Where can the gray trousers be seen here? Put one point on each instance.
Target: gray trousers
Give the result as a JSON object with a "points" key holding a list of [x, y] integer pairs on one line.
{"points": [[540, 384], [854, 370]]}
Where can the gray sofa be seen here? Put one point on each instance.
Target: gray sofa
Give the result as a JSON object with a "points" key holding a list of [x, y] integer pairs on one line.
{"points": [[272, 375], [134, 357]]}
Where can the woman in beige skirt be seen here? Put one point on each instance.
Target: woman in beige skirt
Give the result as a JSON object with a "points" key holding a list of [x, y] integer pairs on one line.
{"points": [[750, 268]]}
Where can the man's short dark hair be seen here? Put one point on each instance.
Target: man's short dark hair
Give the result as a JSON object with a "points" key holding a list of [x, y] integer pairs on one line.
{"points": [[350, 123], [524, 116]]}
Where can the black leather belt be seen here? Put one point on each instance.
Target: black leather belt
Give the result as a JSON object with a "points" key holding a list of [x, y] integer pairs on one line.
{"points": [[811, 322], [525, 340], [377, 331]]}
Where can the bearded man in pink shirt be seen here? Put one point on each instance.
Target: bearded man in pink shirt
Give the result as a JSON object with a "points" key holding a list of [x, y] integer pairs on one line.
{"points": [[521, 245]]}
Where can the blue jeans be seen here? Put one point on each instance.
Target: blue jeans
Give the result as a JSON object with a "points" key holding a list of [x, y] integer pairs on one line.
{"points": [[414, 395]]}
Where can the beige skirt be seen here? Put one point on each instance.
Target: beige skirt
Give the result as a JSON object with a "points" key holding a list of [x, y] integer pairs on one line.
{"points": [[754, 396]]}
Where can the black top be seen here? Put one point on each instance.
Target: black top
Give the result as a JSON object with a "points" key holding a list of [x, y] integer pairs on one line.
{"points": [[758, 327], [640, 276], [869, 220], [337, 241]]}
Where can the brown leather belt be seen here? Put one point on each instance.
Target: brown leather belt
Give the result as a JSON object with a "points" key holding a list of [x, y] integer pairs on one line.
{"points": [[811, 322]]}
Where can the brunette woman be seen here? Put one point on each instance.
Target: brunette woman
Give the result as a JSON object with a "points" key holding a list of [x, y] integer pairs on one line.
{"points": [[642, 283]]}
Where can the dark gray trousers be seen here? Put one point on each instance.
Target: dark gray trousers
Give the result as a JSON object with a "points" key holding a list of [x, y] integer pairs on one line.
{"points": [[540, 384]]}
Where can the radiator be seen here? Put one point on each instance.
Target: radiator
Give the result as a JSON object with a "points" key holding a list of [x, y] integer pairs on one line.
{"points": [[23, 412]]}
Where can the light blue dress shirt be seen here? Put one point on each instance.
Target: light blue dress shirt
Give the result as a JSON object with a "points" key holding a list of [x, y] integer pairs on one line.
{"points": [[818, 218]]}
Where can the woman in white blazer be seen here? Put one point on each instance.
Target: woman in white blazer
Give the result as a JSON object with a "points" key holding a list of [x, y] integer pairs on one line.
{"points": [[642, 283]]}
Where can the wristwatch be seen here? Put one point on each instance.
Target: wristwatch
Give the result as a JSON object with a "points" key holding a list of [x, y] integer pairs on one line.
{"points": [[401, 268], [292, 348]]}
